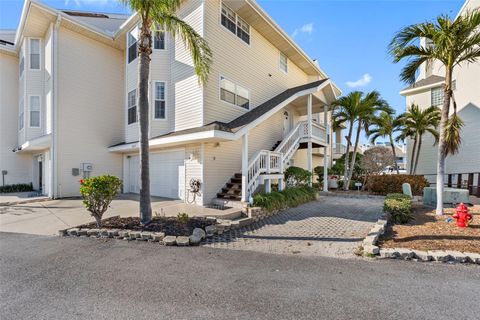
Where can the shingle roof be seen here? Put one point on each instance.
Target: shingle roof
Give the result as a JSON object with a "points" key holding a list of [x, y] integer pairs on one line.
{"points": [[107, 22], [425, 82]]}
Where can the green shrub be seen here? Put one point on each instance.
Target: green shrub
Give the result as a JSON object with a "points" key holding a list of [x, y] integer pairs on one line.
{"points": [[351, 186], [183, 217], [19, 187], [398, 207], [386, 184], [288, 198], [319, 172], [98, 193], [339, 167], [297, 177]]}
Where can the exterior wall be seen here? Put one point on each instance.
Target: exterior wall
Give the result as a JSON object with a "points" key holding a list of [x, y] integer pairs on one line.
{"points": [[90, 87], [246, 65], [19, 169]]}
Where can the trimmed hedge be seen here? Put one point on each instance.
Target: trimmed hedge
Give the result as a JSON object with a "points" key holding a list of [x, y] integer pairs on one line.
{"points": [[399, 207], [386, 184], [297, 177], [288, 198], [20, 187]]}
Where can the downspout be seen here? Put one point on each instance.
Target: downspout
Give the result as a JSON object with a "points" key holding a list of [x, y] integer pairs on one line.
{"points": [[54, 171]]}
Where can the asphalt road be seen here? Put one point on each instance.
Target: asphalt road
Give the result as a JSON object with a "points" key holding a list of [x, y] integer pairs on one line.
{"points": [[72, 278]]}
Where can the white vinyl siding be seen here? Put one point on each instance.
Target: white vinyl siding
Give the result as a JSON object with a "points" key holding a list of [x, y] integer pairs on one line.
{"points": [[234, 94], [34, 111], [132, 107], [34, 54], [283, 62], [437, 96], [235, 24], [132, 50], [21, 116], [160, 100]]}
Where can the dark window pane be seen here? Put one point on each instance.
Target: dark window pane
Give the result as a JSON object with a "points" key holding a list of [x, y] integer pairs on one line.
{"points": [[242, 102], [243, 35], [159, 40], [34, 61], [132, 52], [229, 24], [132, 115], [159, 109], [227, 96]]}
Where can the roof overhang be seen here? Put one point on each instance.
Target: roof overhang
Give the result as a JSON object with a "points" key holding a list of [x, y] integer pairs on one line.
{"points": [[38, 144], [411, 91]]}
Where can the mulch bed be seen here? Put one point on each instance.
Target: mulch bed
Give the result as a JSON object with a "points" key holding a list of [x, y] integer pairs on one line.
{"points": [[169, 225], [431, 232]]}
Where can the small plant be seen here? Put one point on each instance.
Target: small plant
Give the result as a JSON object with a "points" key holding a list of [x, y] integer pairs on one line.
{"points": [[297, 177], [290, 197], [20, 187], [399, 207], [183, 217], [98, 193]]}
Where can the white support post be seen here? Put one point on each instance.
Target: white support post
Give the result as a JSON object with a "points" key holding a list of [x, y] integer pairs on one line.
{"points": [[268, 185], [244, 167], [325, 169], [326, 148], [309, 151], [281, 180]]}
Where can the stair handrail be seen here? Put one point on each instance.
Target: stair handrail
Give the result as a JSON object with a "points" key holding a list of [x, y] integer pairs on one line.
{"points": [[263, 161], [290, 143]]}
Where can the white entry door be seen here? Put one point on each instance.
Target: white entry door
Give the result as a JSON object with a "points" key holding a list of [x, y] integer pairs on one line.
{"points": [[167, 174], [287, 123]]}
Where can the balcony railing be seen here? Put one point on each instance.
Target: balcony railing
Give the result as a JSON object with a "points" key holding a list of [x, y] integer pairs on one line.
{"points": [[319, 132], [339, 148]]}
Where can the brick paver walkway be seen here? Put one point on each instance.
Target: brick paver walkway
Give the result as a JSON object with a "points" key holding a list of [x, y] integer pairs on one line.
{"points": [[332, 226]]}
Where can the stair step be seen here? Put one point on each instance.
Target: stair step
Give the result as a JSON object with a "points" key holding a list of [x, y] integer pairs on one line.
{"points": [[237, 175], [223, 195], [234, 185], [236, 180], [231, 190]]}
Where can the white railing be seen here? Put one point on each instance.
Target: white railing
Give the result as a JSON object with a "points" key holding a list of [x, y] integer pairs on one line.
{"points": [[339, 148], [263, 162], [290, 143]]}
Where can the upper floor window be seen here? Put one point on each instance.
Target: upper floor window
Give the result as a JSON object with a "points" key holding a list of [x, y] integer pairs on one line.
{"points": [[437, 96], [132, 45], [159, 100], [132, 107], [34, 54], [159, 38], [34, 110], [235, 24], [283, 62], [21, 117], [234, 94]]}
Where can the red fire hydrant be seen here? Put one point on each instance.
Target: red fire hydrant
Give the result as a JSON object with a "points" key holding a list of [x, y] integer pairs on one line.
{"points": [[462, 216]]}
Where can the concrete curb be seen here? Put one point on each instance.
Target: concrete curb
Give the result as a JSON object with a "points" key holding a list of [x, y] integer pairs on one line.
{"points": [[14, 203]]}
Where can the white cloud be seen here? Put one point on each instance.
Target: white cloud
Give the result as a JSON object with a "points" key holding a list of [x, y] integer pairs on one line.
{"points": [[362, 82], [306, 28]]}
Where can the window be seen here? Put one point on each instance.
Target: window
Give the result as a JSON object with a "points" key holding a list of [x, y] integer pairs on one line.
{"points": [[437, 96], [34, 111], [234, 94], [21, 121], [132, 107], [132, 45], [283, 62], [235, 24], [159, 100], [159, 38], [454, 85], [22, 65], [35, 54]]}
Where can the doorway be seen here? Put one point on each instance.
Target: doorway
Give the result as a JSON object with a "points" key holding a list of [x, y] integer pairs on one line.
{"points": [[287, 123]]}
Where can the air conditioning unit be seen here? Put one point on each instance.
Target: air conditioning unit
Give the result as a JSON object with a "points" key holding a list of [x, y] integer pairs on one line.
{"points": [[87, 167]]}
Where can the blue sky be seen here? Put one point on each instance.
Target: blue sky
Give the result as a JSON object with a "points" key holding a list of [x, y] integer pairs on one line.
{"points": [[349, 38]]}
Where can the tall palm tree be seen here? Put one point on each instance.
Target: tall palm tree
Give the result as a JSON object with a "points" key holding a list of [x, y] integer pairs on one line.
{"points": [[416, 123], [161, 13], [358, 109], [386, 125], [452, 43]]}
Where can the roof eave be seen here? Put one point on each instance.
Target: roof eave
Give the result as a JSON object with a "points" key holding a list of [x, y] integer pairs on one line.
{"points": [[407, 92]]}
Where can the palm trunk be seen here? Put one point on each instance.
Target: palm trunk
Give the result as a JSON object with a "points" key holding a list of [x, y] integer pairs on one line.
{"points": [[394, 154], [418, 154], [354, 156], [347, 156], [441, 141], [412, 160], [145, 49]]}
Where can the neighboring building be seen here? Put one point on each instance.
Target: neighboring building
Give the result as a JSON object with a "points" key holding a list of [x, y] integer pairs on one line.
{"points": [[428, 91], [69, 99], [400, 152]]}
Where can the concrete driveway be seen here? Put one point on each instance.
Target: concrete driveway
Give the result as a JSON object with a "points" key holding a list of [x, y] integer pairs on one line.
{"points": [[47, 217]]}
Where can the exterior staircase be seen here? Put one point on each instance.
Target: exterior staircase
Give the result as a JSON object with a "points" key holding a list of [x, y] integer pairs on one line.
{"points": [[232, 189]]}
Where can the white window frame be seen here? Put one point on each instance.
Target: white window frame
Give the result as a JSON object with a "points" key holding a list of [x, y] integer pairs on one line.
{"points": [[154, 99], [431, 96], [128, 46], [280, 64], [30, 54], [236, 85], [236, 25], [164, 38], [129, 107], [21, 115], [30, 111]]}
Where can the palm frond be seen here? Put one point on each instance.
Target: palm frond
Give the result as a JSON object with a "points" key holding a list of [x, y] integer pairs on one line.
{"points": [[453, 138]]}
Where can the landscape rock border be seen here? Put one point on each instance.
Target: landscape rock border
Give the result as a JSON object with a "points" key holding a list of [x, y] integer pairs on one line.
{"points": [[371, 249]]}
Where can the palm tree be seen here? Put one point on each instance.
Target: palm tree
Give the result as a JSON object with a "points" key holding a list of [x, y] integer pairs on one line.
{"points": [[416, 123], [161, 13], [358, 109], [386, 125], [452, 43]]}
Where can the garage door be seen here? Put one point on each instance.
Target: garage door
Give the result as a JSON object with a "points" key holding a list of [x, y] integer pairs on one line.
{"points": [[167, 174]]}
